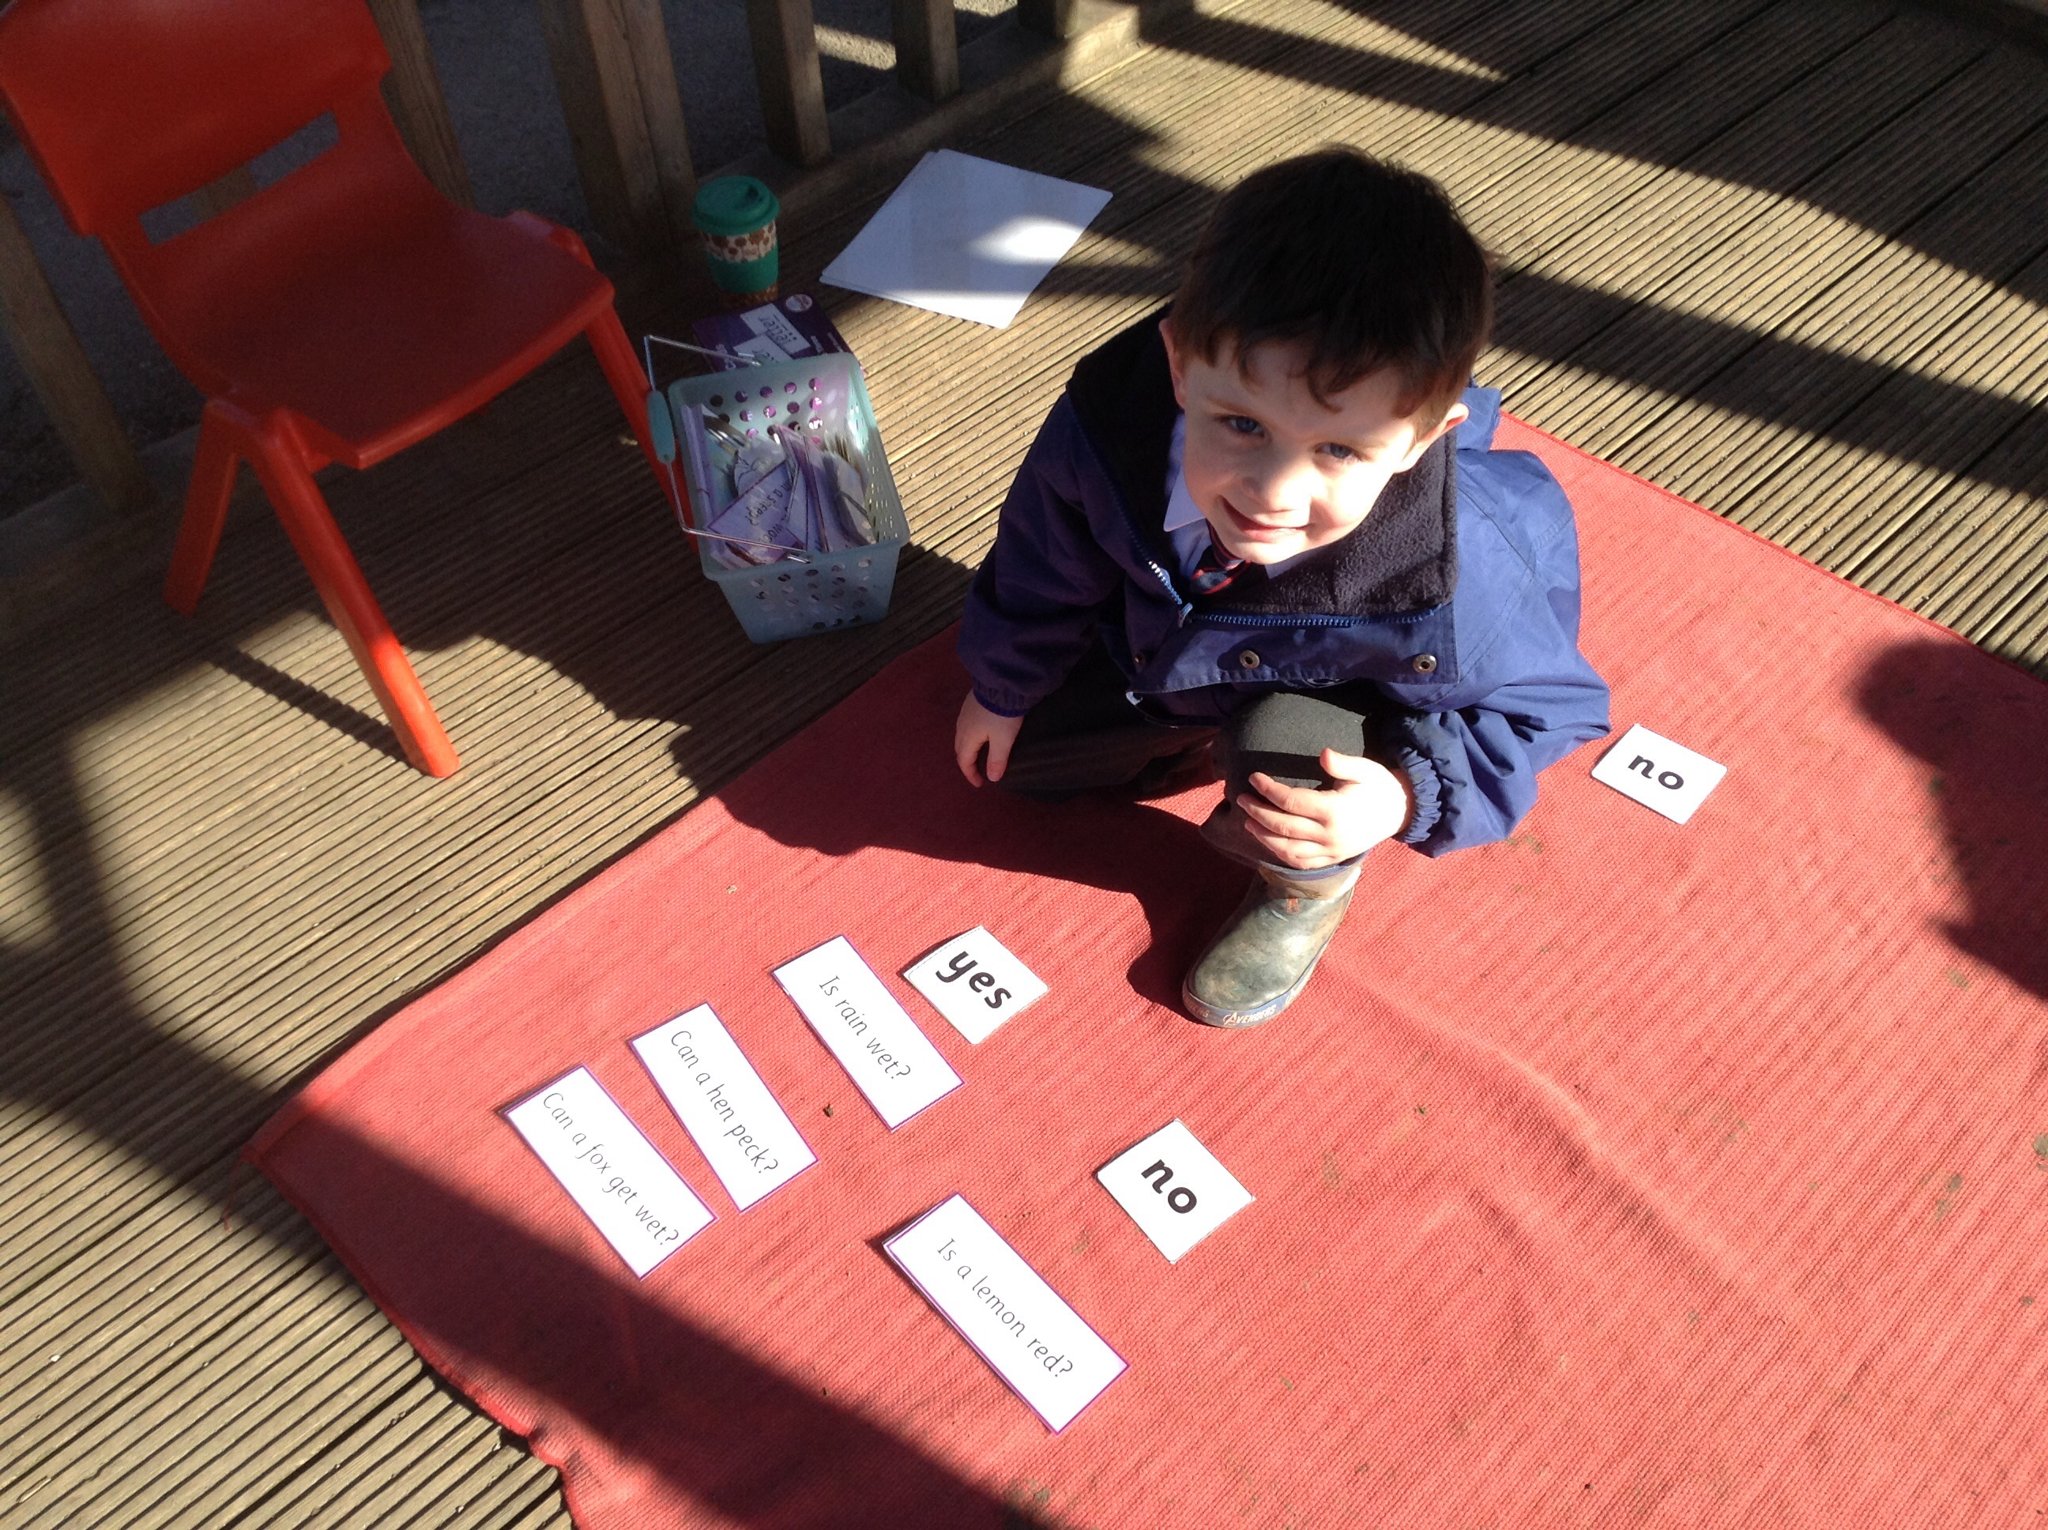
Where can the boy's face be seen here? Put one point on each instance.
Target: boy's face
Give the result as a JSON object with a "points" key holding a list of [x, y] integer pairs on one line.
{"points": [[1277, 472]]}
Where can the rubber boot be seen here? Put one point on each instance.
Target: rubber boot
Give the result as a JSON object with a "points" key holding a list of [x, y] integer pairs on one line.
{"points": [[1263, 955]]}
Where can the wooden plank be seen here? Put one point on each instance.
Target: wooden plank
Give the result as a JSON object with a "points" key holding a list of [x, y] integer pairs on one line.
{"points": [[644, 36], [117, 1339], [1178, 87], [1911, 361], [1057, 19], [1065, 20], [927, 48], [161, 1446], [617, 83], [785, 38], [1663, 238], [580, 88], [48, 349], [413, 92]]}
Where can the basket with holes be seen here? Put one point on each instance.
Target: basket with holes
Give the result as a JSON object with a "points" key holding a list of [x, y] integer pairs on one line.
{"points": [[840, 566]]}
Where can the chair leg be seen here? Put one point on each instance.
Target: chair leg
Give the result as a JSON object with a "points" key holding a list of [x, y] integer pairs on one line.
{"points": [[621, 369], [206, 512], [615, 354], [274, 453]]}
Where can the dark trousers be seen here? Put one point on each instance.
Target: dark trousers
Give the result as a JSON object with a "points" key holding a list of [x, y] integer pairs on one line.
{"points": [[1088, 735]]}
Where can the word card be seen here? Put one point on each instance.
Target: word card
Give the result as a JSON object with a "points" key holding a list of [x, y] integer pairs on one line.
{"points": [[975, 983], [1039, 1345], [1665, 777], [623, 1184], [746, 1137], [888, 1058], [1174, 1189]]}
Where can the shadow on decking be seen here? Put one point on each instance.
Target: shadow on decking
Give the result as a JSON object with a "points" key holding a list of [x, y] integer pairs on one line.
{"points": [[786, 1460]]}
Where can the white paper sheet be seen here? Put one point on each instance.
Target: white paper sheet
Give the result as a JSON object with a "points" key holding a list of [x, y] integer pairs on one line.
{"points": [[744, 1134], [966, 237], [616, 1175], [975, 982], [1663, 776], [877, 1043], [1016, 1322], [1174, 1188]]}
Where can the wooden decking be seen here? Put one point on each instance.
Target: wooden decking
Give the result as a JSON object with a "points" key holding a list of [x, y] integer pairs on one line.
{"points": [[1788, 259]]}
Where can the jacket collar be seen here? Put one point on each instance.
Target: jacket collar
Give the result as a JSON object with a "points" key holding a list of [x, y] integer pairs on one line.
{"points": [[1402, 558]]}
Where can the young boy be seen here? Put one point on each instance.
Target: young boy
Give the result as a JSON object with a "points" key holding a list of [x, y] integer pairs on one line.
{"points": [[1269, 522]]}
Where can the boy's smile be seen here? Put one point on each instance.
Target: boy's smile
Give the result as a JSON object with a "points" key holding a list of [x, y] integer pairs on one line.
{"points": [[1276, 471]]}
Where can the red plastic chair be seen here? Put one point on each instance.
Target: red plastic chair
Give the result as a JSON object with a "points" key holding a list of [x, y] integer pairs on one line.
{"points": [[339, 315]]}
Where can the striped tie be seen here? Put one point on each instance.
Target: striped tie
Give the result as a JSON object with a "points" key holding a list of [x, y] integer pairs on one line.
{"points": [[1215, 571]]}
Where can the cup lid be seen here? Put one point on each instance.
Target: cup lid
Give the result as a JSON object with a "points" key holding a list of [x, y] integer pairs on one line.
{"points": [[733, 204]]}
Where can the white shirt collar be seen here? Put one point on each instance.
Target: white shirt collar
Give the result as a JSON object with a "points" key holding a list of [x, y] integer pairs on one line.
{"points": [[1181, 509]]}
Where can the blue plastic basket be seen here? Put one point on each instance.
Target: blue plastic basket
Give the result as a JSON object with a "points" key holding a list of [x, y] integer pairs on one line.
{"points": [[826, 395]]}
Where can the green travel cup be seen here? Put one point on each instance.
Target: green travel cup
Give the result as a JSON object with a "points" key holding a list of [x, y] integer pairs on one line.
{"points": [[736, 216]]}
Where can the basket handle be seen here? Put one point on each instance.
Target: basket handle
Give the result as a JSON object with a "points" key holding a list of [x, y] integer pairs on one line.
{"points": [[661, 429]]}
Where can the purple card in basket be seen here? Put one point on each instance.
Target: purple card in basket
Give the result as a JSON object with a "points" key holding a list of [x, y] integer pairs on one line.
{"points": [[788, 330]]}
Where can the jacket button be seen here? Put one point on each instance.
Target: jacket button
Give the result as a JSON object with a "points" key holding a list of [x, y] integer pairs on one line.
{"points": [[1247, 660], [1137, 661], [1423, 664]]}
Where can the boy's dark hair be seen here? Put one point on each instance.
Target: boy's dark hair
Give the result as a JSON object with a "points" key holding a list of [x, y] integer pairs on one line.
{"points": [[1365, 262]]}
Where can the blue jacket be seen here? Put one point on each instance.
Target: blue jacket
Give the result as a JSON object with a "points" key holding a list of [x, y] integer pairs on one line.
{"points": [[1458, 599]]}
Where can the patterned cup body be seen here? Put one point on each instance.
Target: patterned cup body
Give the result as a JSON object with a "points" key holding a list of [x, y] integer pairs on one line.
{"points": [[744, 265]]}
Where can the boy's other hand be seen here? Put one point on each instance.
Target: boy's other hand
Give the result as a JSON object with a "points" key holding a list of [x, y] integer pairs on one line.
{"points": [[979, 728], [1308, 827]]}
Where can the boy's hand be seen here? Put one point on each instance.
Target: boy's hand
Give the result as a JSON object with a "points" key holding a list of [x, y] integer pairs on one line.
{"points": [[980, 728], [1308, 827]]}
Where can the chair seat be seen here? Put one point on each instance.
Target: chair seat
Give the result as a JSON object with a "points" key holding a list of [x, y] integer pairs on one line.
{"points": [[413, 323]]}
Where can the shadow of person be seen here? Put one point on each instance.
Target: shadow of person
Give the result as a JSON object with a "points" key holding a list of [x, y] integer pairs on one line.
{"points": [[1982, 727], [878, 774], [680, 1417], [616, 603], [654, 1417]]}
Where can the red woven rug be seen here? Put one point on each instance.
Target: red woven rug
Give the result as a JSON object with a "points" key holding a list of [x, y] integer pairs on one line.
{"points": [[1621, 1174]]}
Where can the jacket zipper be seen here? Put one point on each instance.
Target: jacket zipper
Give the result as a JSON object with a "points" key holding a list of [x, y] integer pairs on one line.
{"points": [[1241, 619]]}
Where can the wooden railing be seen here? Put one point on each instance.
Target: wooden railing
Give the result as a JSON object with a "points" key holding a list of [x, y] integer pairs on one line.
{"points": [[616, 80]]}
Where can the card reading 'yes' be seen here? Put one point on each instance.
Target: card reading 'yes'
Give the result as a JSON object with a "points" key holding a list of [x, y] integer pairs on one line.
{"points": [[877, 1043], [975, 983]]}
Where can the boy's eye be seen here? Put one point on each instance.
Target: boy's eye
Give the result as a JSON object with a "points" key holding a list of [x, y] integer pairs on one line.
{"points": [[1340, 451], [1240, 424]]}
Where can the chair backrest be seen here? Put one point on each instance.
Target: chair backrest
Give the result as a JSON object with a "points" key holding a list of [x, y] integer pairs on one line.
{"points": [[129, 104]]}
